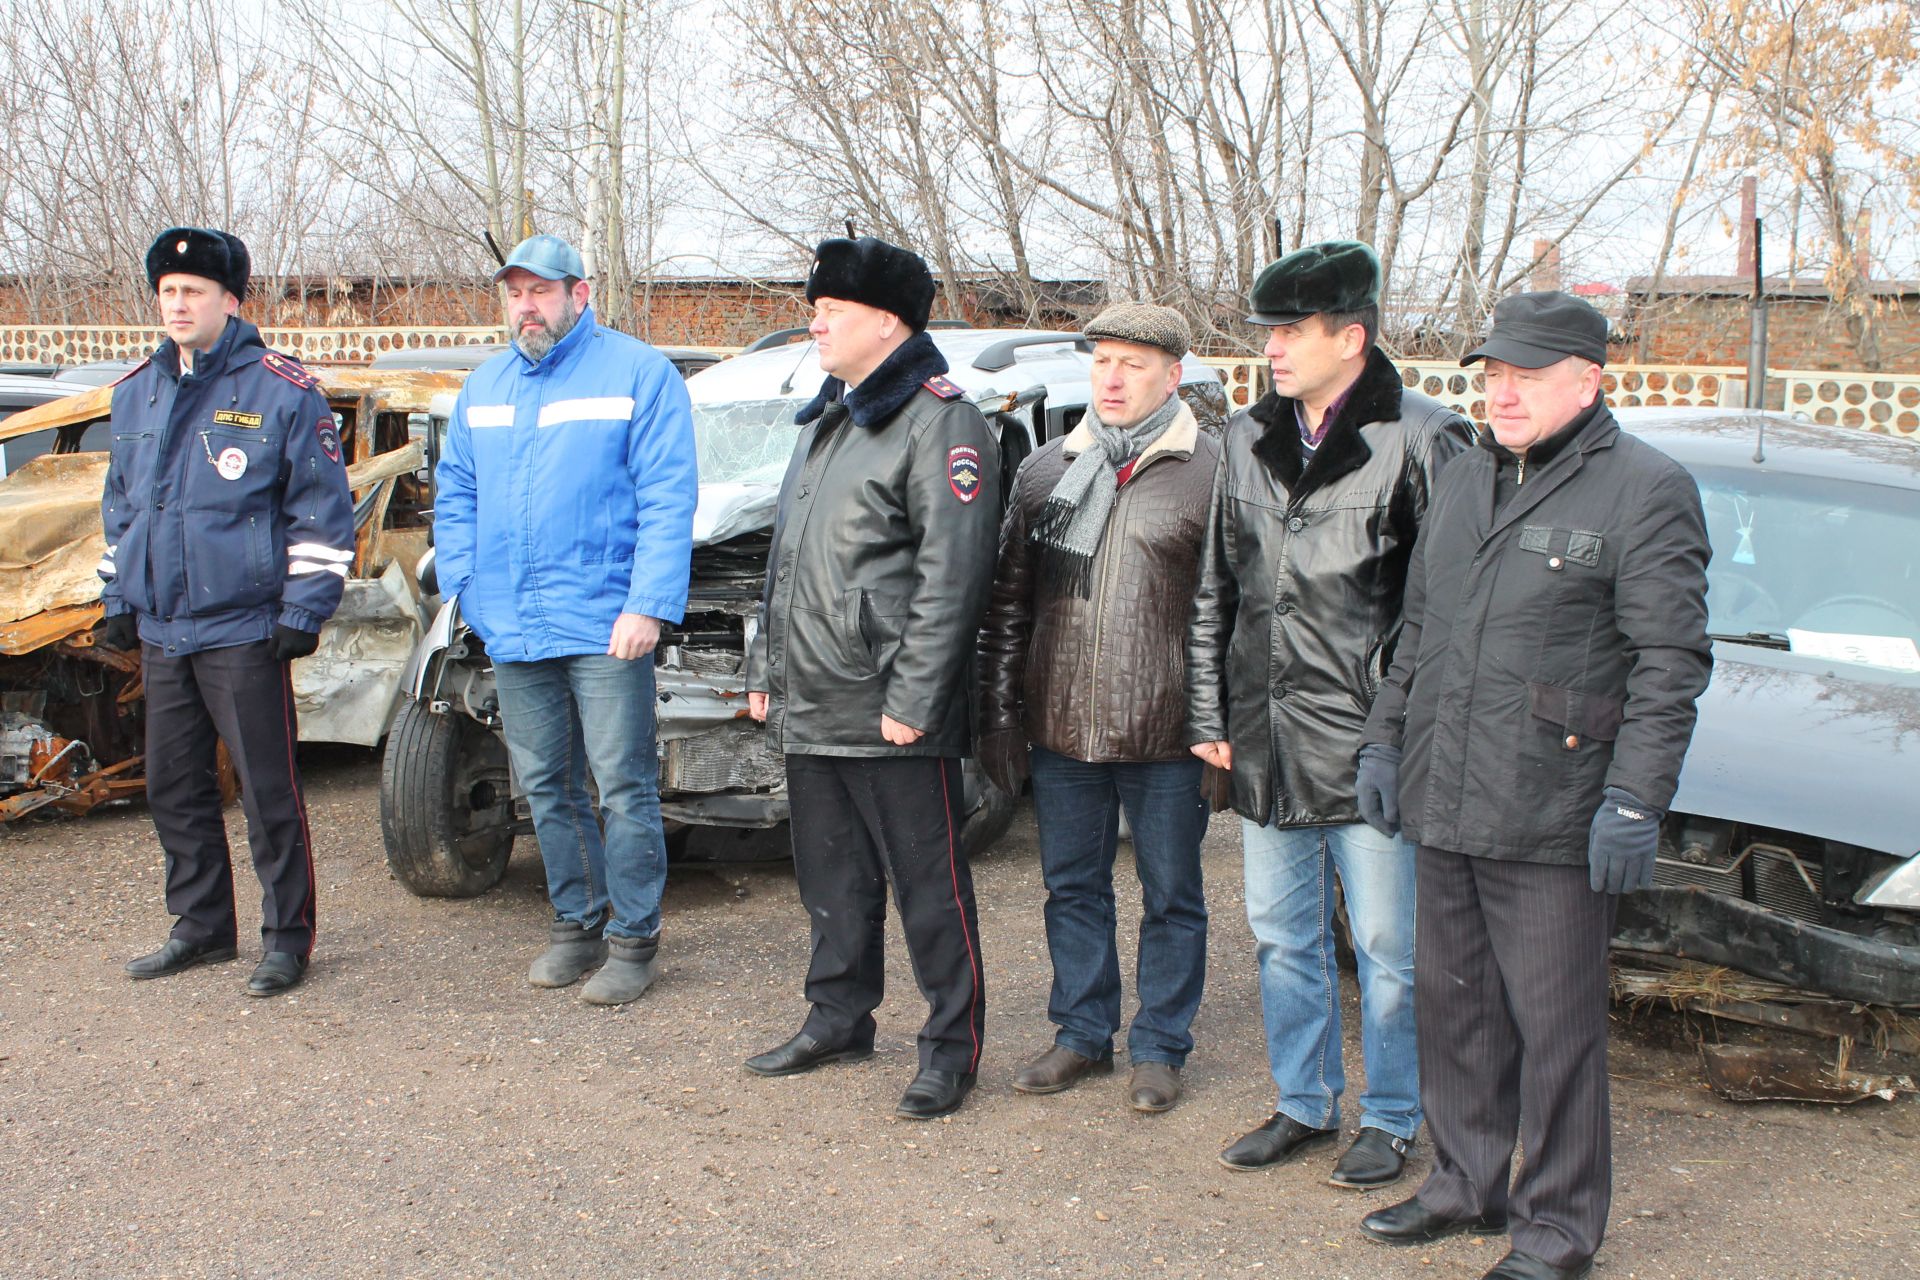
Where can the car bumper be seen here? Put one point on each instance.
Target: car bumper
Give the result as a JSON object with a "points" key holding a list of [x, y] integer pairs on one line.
{"points": [[1696, 924]]}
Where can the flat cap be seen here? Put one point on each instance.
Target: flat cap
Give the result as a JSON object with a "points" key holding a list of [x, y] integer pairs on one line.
{"points": [[197, 251], [873, 272], [1534, 330], [548, 257], [1146, 324], [1334, 275]]}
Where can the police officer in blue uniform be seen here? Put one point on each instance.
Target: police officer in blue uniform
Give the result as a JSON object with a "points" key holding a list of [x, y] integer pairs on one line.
{"points": [[229, 530]]}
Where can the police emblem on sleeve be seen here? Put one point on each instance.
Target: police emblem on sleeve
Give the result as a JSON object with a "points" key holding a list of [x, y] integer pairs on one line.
{"points": [[963, 472], [329, 440], [231, 464]]}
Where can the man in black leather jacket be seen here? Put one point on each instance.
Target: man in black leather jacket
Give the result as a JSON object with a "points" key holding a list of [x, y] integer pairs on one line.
{"points": [[861, 666], [1321, 496]]}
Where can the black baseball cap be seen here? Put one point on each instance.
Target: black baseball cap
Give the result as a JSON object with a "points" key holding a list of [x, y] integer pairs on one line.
{"points": [[1534, 330]]}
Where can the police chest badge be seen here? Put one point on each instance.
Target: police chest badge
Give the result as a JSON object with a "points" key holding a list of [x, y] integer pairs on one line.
{"points": [[231, 464], [963, 472]]}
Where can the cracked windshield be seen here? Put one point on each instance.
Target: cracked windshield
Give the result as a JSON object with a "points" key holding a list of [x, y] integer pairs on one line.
{"points": [[744, 441]]}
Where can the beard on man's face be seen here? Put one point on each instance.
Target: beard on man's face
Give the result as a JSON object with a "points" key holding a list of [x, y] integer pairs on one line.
{"points": [[538, 338]]}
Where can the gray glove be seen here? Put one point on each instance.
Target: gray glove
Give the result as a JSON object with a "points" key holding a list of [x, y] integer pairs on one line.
{"points": [[1376, 787], [1621, 846]]}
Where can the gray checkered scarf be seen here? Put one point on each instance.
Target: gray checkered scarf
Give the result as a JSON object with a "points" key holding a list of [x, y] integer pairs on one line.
{"points": [[1070, 522]]}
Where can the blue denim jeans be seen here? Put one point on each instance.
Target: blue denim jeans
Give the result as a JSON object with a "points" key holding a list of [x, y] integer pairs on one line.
{"points": [[1290, 902], [1077, 806], [563, 715]]}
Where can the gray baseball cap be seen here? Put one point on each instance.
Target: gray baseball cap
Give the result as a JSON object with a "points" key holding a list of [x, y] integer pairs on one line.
{"points": [[548, 257]]}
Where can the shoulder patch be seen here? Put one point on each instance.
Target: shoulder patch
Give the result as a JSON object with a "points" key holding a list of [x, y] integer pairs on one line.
{"points": [[963, 472], [129, 373], [940, 386], [290, 369]]}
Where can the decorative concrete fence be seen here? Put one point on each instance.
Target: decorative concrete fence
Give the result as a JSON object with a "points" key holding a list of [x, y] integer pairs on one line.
{"points": [[1886, 403], [58, 344]]}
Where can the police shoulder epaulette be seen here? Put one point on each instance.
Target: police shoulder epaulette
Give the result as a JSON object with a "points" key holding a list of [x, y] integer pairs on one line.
{"points": [[290, 369], [129, 373], [939, 385]]}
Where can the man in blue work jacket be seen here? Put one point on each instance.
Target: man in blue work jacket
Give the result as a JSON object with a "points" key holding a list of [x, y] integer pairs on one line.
{"points": [[564, 524], [229, 529]]}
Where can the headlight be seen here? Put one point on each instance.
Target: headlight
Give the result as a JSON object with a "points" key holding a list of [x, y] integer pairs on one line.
{"points": [[1899, 887]]}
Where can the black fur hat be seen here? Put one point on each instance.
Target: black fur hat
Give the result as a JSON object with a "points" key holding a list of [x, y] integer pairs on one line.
{"points": [[1335, 276], [874, 272], [196, 251]]}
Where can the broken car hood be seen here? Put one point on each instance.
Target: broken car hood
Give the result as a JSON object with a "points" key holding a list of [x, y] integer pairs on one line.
{"points": [[1808, 745], [730, 509]]}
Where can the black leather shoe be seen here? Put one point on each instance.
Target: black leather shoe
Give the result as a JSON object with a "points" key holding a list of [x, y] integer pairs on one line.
{"points": [[1273, 1142], [1524, 1266], [1375, 1159], [934, 1093], [1058, 1068], [1411, 1222], [804, 1053], [278, 971], [178, 954]]}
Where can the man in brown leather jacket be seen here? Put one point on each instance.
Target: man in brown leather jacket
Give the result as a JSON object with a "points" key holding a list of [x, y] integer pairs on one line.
{"points": [[861, 666], [1081, 656]]}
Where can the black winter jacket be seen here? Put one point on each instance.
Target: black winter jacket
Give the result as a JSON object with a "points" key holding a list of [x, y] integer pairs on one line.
{"points": [[1552, 648], [881, 563], [1301, 573]]}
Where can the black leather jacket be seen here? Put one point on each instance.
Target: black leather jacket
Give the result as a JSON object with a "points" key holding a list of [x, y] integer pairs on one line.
{"points": [[881, 564], [1301, 577]]}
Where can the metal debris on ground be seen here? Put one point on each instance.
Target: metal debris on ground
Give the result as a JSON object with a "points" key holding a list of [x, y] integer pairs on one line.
{"points": [[1743, 1073]]}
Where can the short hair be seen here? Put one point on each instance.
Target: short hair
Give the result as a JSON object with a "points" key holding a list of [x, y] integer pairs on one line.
{"points": [[1368, 318], [567, 283]]}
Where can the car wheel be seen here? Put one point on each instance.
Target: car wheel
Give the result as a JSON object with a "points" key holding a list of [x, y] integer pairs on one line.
{"points": [[446, 804], [989, 815]]}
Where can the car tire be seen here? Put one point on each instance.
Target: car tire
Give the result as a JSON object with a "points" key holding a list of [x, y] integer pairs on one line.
{"points": [[989, 818], [446, 808]]}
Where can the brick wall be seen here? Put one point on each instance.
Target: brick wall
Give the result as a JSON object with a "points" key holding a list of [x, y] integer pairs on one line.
{"points": [[1802, 333], [701, 313]]}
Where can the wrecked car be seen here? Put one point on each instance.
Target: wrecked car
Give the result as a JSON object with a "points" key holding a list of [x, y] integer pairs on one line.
{"points": [[449, 806], [1792, 849], [71, 710]]}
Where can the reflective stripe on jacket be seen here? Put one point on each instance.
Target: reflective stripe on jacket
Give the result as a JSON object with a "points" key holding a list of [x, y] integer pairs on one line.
{"points": [[226, 509], [566, 493]]}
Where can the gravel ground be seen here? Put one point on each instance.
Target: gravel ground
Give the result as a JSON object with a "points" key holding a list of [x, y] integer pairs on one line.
{"points": [[417, 1110]]}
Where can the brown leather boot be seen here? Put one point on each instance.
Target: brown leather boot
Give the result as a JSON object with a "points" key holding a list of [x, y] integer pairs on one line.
{"points": [[1056, 1069], [1154, 1086]]}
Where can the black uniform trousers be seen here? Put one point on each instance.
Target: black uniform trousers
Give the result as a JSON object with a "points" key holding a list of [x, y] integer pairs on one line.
{"points": [[859, 822], [242, 696], [1510, 993]]}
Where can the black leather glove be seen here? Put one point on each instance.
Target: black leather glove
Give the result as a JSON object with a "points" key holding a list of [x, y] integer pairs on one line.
{"points": [[1622, 844], [1002, 756], [1216, 785], [1376, 787], [121, 631], [291, 642]]}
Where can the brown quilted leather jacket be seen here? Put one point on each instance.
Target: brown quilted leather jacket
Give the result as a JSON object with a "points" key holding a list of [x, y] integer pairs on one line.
{"points": [[1102, 679]]}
